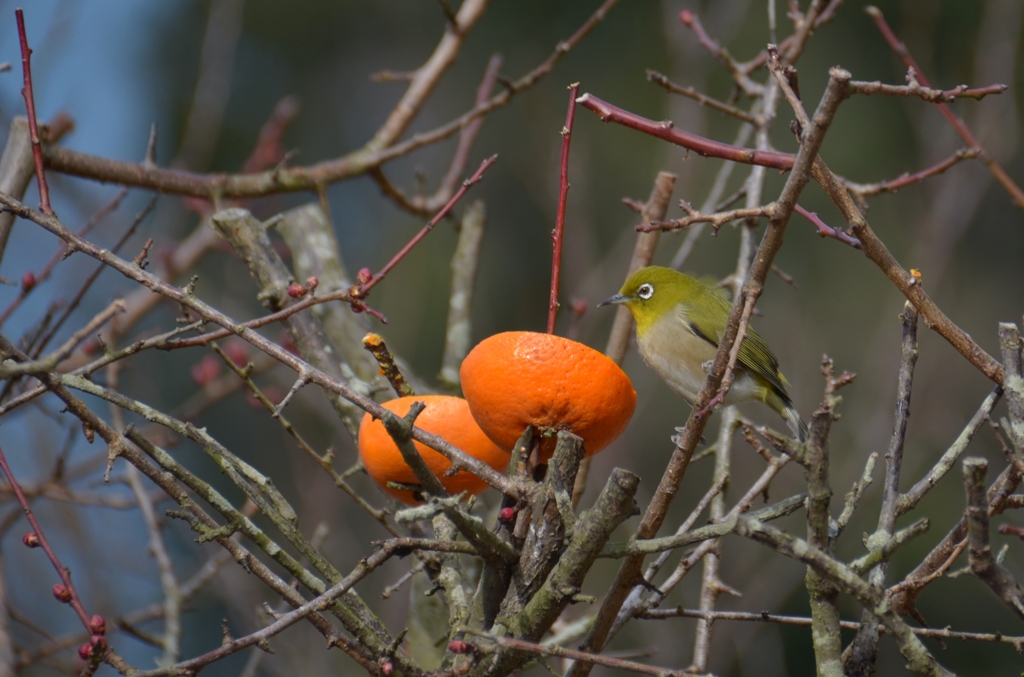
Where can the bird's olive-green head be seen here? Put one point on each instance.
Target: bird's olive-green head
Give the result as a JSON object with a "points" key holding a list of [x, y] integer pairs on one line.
{"points": [[651, 292]]}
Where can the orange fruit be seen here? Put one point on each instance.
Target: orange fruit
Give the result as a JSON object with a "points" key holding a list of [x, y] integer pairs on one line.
{"points": [[519, 379], [446, 416]]}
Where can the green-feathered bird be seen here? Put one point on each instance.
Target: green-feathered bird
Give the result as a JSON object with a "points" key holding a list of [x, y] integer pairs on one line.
{"points": [[679, 322]]}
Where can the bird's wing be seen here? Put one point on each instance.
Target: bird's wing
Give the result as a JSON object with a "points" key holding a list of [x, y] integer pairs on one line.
{"points": [[755, 355]]}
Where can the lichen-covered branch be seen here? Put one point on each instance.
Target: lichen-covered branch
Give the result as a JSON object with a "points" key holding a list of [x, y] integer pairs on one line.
{"points": [[979, 550], [460, 301], [919, 659]]}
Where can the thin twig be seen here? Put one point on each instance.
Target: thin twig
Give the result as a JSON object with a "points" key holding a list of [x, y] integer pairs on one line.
{"points": [[30, 107], [283, 314], [563, 195], [425, 205], [294, 179], [578, 656], [765, 617], [320, 603], [50, 362], [704, 100], [717, 220], [863, 190], [85, 286], [359, 291], [739, 76], [704, 147], [65, 574], [958, 124], [915, 89], [47, 270]]}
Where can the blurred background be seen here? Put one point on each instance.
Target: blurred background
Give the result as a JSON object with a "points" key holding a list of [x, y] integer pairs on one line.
{"points": [[118, 66]]}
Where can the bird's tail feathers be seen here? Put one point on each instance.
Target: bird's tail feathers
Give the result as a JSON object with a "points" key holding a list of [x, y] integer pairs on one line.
{"points": [[780, 402], [795, 423]]}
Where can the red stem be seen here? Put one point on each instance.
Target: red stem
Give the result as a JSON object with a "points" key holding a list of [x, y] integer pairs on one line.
{"points": [[907, 179], [699, 144], [691, 21], [30, 107], [477, 176], [959, 125], [469, 133], [62, 571], [826, 230], [563, 194], [282, 314], [268, 150]]}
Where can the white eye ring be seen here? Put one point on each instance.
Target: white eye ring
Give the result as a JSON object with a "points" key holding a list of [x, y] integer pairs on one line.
{"points": [[645, 291]]}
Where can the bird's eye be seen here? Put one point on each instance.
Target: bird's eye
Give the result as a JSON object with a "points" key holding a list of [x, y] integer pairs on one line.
{"points": [[645, 291]]}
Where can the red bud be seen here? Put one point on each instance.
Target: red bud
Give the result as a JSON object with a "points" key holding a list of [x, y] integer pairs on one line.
{"points": [[686, 16], [31, 540], [364, 275], [296, 290], [28, 280], [458, 646], [387, 668], [85, 651], [237, 352], [61, 592], [206, 369], [507, 514], [98, 642], [312, 282], [97, 625]]}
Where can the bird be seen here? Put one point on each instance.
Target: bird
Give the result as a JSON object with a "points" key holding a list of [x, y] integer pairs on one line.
{"points": [[679, 322]]}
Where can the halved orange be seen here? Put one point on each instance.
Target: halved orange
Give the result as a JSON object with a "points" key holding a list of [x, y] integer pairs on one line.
{"points": [[519, 379], [446, 416]]}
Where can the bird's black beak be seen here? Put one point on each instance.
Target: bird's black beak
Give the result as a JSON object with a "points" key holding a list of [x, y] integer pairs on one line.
{"points": [[618, 298]]}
